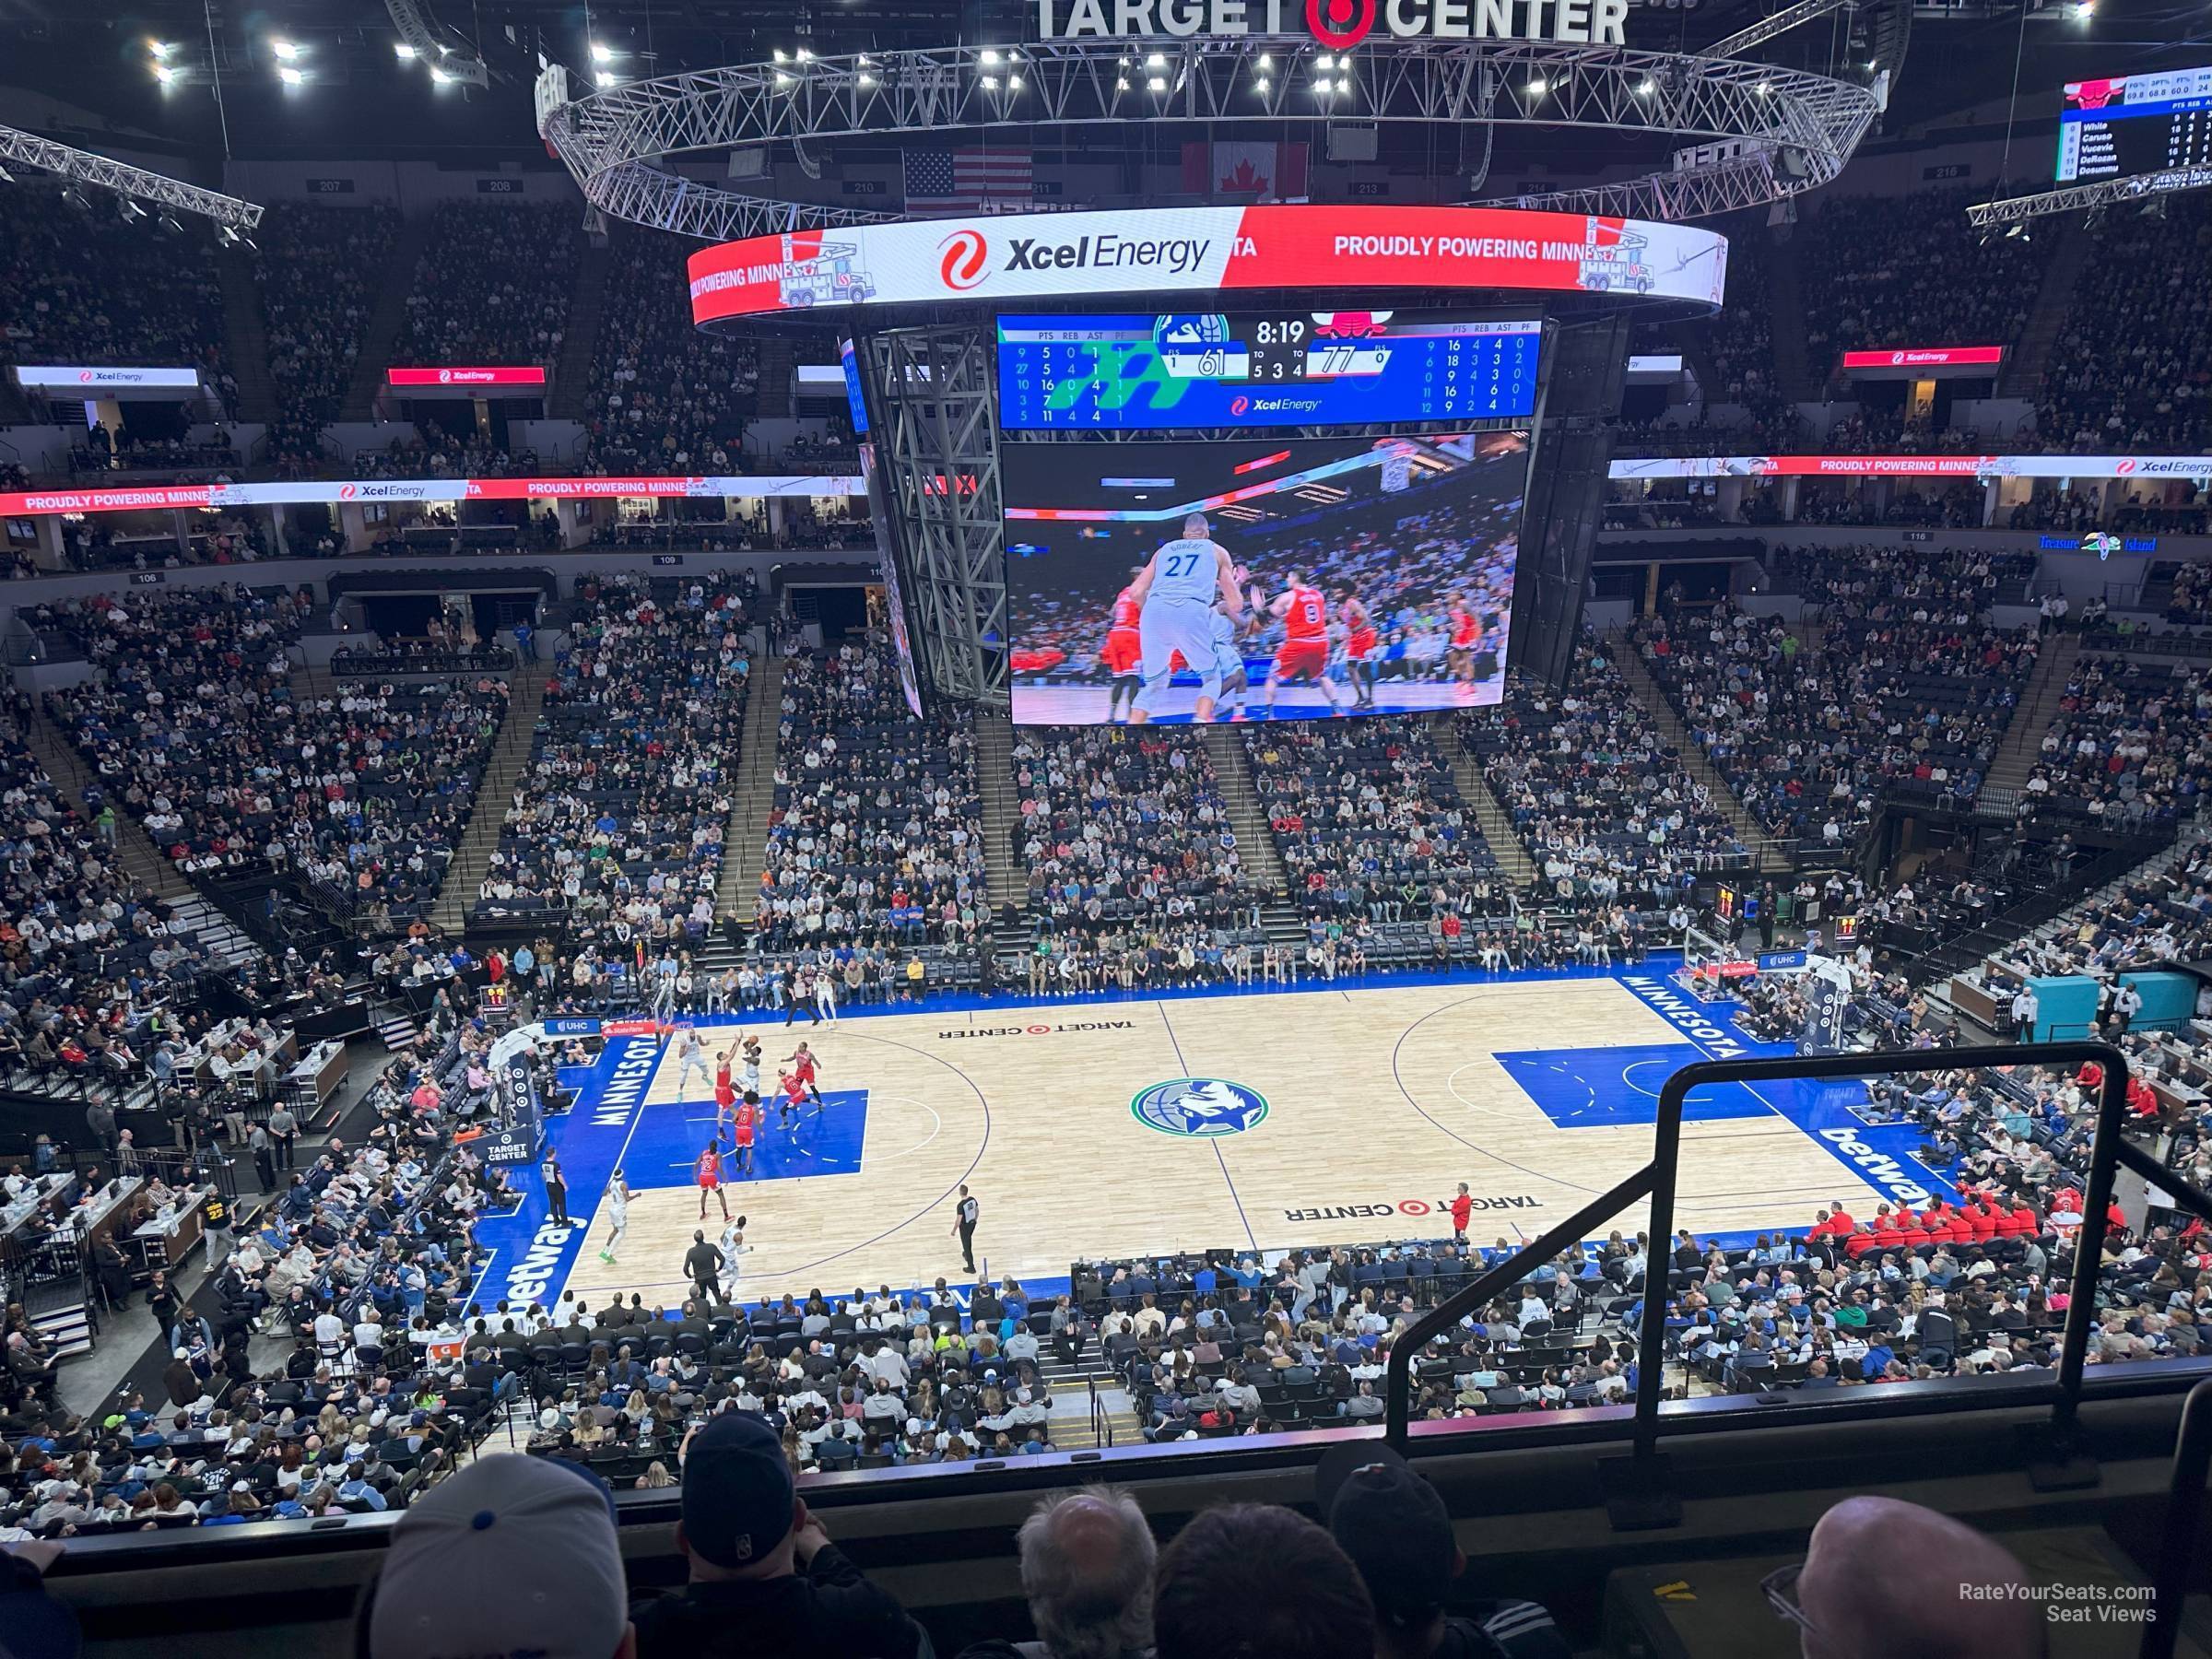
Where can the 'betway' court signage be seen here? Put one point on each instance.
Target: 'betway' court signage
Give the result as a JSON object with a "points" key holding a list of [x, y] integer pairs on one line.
{"points": [[1338, 24]]}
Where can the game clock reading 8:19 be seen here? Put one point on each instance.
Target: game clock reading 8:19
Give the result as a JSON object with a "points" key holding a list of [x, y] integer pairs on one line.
{"points": [[1278, 349]]}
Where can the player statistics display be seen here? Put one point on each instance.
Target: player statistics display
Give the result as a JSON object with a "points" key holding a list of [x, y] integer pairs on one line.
{"points": [[2135, 124], [1192, 369], [1251, 578]]}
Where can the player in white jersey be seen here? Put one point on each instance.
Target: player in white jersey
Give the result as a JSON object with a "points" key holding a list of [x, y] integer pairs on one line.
{"points": [[1177, 592], [617, 1215], [1229, 660], [733, 1246], [749, 1077], [690, 1055]]}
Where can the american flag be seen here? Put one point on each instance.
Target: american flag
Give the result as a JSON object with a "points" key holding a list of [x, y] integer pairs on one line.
{"points": [[964, 181]]}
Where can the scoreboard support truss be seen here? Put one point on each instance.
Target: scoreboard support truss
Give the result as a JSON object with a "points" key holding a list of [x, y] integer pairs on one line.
{"points": [[932, 400]]}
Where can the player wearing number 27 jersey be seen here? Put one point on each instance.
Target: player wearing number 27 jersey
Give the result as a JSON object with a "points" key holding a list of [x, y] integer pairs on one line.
{"points": [[1176, 593]]}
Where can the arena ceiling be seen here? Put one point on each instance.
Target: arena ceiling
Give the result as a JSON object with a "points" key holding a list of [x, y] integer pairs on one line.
{"points": [[354, 96]]}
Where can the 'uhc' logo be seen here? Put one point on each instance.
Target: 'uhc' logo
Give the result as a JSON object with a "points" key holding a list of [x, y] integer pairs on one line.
{"points": [[964, 252], [1199, 1107]]}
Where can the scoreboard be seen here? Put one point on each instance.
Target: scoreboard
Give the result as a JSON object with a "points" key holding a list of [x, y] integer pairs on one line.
{"points": [[2135, 123], [1091, 372]]}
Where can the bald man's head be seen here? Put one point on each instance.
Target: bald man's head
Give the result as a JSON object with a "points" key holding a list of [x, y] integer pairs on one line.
{"points": [[1887, 1577], [1087, 1561]]}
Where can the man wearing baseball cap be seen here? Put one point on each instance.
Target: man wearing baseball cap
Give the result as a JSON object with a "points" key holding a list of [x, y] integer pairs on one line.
{"points": [[766, 1582], [1395, 1526], [513, 1554]]}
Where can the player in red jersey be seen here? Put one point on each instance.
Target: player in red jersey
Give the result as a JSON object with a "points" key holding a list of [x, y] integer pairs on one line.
{"points": [[707, 1172], [1361, 642], [1123, 654], [743, 1121], [802, 1060], [1304, 652], [1466, 640]]}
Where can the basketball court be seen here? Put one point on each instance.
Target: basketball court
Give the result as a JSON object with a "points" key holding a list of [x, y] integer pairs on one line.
{"points": [[1251, 1122]]}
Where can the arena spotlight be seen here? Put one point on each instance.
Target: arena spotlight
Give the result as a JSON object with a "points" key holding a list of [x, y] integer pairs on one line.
{"points": [[290, 75], [439, 78], [1158, 83], [285, 51], [402, 52], [1538, 86], [780, 58], [602, 53], [1121, 83], [988, 58], [1155, 61], [1013, 82], [1324, 62], [990, 83], [167, 222], [866, 79], [168, 75], [76, 198], [129, 211], [1260, 86], [1646, 87], [1322, 88]]}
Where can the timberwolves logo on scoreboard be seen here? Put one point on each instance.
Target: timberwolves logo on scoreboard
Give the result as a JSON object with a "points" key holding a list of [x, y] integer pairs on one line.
{"points": [[1199, 1107]]}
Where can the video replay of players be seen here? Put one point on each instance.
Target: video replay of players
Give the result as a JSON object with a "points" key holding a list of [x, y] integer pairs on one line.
{"points": [[1249, 580]]}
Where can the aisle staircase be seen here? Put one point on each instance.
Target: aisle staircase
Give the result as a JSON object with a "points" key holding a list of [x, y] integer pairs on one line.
{"points": [[2023, 373], [777, 357], [1003, 872], [510, 754], [2031, 716], [752, 799], [1261, 859], [580, 340], [1793, 373], [388, 318], [1496, 823], [246, 338], [1772, 858]]}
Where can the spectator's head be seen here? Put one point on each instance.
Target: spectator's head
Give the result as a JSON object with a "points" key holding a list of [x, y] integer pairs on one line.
{"points": [[1395, 1528], [1883, 1576], [535, 1524], [741, 1509], [1087, 1561], [1271, 1576]]}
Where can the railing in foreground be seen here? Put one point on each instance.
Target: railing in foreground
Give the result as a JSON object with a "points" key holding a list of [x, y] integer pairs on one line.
{"points": [[1639, 1494]]}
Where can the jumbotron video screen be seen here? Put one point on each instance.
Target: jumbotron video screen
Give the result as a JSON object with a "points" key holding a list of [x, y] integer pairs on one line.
{"points": [[1254, 579]]}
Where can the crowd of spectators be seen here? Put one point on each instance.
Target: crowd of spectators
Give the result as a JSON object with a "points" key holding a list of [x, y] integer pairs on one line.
{"points": [[1809, 739], [1882, 271], [318, 268], [493, 286], [1372, 827], [1120, 825], [1598, 797], [80, 285], [666, 397], [1918, 583], [92, 967], [617, 821], [2131, 367], [876, 836], [2128, 746], [366, 1256]]}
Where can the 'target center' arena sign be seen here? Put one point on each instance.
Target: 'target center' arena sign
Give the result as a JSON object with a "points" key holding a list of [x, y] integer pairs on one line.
{"points": [[1338, 24]]}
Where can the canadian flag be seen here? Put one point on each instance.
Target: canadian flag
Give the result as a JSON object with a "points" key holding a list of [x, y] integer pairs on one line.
{"points": [[1259, 168]]}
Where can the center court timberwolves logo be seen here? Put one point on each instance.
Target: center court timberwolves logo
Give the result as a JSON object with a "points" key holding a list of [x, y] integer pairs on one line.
{"points": [[1199, 1107]]}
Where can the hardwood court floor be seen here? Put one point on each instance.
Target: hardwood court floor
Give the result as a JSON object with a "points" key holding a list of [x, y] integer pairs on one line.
{"points": [[1537, 1093]]}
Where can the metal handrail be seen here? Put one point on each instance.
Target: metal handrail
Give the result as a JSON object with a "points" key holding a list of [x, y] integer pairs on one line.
{"points": [[1657, 1180], [2185, 1505]]}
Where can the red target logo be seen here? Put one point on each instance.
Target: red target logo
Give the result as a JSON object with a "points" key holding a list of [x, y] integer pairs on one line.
{"points": [[1340, 23], [1413, 1206], [963, 253]]}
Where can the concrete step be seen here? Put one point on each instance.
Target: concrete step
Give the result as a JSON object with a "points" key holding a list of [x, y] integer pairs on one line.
{"points": [[245, 339], [67, 1330], [1489, 811], [1240, 789], [1772, 859], [745, 838], [1005, 880], [510, 754], [389, 317], [572, 369]]}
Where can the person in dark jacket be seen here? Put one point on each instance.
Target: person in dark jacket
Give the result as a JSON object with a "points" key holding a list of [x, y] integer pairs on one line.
{"points": [[766, 1583]]}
